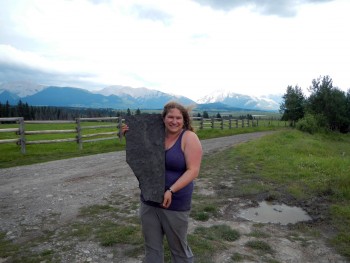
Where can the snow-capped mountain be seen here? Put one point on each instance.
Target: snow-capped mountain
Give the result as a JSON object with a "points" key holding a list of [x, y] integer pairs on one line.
{"points": [[133, 92], [21, 88], [143, 97], [125, 97], [239, 100], [122, 97]]}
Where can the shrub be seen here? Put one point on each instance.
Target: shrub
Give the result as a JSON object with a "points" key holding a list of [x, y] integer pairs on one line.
{"points": [[308, 124]]}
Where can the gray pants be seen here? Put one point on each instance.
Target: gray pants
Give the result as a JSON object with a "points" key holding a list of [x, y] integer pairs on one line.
{"points": [[155, 223]]}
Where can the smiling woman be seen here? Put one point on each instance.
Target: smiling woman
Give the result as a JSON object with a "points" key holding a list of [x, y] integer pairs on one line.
{"points": [[183, 155]]}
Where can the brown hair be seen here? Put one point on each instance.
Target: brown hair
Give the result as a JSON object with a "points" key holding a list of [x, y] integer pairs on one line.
{"points": [[184, 111]]}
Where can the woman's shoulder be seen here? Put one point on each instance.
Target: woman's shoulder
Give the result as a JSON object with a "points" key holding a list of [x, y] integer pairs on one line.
{"points": [[191, 142], [189, 133], [190, 136]]}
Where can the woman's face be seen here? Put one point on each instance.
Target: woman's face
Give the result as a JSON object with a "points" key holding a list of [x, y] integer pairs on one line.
{"points": [[173, 121]]}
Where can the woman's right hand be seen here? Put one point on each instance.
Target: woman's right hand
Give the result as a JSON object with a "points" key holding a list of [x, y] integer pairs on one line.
{"points": [[125, 128]]}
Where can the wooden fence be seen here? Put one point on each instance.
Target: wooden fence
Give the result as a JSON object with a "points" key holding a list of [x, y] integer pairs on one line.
{"points": [[222, 123], [113, 122], [80, 138]]}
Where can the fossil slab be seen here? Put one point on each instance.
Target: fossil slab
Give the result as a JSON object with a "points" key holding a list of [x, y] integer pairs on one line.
{"points": [[145, 153]]}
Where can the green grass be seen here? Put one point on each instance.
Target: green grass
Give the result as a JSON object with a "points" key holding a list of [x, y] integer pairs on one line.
{"points": [[259, 245], [313, 164], [203, 210], [96, 223], [10, 154], [217, 232], [215, 133], [258, 234], [7, 248], [206, 242], [306, 166], [288, 162]]}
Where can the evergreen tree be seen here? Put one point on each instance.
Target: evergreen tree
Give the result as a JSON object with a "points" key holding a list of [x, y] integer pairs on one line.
{"points": [[328, 104], [205, 115], [293, 105]]}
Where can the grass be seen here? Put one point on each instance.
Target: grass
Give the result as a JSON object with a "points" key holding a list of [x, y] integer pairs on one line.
{"points": [[10, 154], [305, 166], [259, 245], [314, 165], [206, 242], [217, 232], [7, 248], [98, 223]]}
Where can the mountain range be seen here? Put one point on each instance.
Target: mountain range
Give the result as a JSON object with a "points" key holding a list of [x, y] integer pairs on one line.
{"points": [[123, 97]]}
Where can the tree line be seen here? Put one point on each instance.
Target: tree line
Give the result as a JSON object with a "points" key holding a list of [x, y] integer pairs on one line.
{"points": [[70, 113], [326, 108], [57, 113]]}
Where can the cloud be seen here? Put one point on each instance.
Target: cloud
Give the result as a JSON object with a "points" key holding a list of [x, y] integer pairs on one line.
{"points": [[150, 13], [16, 65], [282, 8]]}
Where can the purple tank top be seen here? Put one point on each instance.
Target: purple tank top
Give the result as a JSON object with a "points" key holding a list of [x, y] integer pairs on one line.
{"points": [[175, 166]]}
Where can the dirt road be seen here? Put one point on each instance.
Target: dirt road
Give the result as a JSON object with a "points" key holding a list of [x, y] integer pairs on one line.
{"points": [[33, 197]]}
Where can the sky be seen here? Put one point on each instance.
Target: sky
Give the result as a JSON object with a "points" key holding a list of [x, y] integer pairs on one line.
{"points": [[183, 47]]}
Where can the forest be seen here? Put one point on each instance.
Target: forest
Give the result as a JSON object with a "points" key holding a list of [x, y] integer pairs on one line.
{"points": [[57, 113], [327, 108], [29, 112]]}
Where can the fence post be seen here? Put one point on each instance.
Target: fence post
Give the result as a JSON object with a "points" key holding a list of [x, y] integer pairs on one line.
{"points": [[120, 123], [22, 139], [230, 124], [242, 123], [202, 123], [212, 123], [236, 123], [79, 137]]}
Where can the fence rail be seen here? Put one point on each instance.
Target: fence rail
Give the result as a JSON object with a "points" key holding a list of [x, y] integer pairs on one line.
{"points": [[80, 138]]}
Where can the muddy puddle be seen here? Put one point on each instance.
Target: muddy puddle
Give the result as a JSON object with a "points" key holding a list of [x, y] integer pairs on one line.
{"points": [[282, 214]]}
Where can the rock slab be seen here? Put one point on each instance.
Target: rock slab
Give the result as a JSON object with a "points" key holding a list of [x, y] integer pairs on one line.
{"points": [[145, 153]]}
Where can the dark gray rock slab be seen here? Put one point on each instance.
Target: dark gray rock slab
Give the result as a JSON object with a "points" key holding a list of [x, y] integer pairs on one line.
{"points": [[145, 153]]}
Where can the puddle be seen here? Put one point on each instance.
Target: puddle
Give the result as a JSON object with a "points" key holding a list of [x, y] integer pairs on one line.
{"points": [[277, 214]]}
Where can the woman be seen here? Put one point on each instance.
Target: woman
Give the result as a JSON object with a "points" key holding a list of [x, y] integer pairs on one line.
{"points": [[183, 154]]}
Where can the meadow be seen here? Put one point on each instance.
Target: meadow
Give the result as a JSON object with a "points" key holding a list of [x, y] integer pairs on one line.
{"points": [[311, 168]]}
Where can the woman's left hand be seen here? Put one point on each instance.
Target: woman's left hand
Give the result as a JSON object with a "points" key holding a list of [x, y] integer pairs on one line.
{"points": [[167, 199]]}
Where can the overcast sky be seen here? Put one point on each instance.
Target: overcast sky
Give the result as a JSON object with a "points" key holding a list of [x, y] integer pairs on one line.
{"points": [[184, 47]]}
